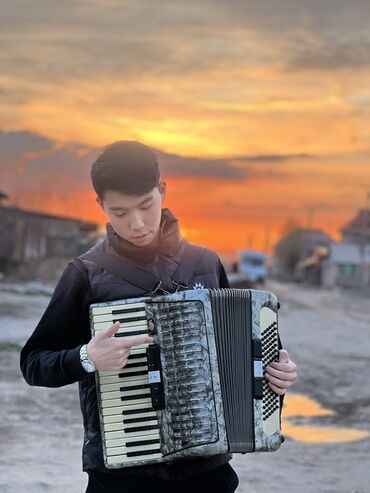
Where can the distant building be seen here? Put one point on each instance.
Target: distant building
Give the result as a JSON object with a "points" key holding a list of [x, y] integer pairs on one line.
{"points": [[345, 264], [357, 230], [26, 236], [295, 247], [3, 196], [348, 265]]}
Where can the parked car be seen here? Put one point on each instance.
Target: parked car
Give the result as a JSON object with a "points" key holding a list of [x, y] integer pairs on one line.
{"points": [[252, 266]]}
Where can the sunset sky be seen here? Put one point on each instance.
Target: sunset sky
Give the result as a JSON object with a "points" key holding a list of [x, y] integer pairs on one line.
{"points": [[259, 111]]}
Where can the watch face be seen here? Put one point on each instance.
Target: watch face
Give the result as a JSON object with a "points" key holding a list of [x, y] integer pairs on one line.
{"points": [[89, 367]]}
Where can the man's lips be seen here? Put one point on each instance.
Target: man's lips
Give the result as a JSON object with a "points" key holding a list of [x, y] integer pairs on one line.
{"points": [[139, 237]]}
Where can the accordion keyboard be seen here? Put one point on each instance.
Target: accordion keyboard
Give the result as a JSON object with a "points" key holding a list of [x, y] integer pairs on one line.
{"points": [[130, 424]]}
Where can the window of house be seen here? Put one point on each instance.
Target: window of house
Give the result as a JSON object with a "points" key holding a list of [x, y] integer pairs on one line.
{"points": [[347, 270]]}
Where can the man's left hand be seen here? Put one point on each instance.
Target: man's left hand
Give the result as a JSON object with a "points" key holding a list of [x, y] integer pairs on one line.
{"points": [[281, 374]]}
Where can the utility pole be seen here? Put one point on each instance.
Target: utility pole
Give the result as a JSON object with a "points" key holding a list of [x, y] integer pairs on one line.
{"points": [[365, 269], [311, 213]]}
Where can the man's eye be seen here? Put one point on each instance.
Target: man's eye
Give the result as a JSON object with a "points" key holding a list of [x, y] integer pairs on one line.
{"points": [[121, 214], [147, 206]]}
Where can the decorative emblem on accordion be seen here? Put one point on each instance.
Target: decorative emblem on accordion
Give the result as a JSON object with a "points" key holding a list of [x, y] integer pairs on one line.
{"points": [[199, 389]]}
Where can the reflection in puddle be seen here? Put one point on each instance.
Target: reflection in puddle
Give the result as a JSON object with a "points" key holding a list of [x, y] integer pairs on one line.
{"points": [[296, 405]]}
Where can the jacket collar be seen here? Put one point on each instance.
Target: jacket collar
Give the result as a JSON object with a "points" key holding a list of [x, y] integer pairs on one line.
{"points": [[168, 242]]}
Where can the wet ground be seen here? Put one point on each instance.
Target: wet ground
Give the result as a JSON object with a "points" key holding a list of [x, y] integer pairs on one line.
{"points": [[326, 415]]}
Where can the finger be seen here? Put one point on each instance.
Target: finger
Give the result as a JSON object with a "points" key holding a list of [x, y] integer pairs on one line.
{"points": [[286, 367], [127, 342], [281, 384], [277, 390], [282, 375], [109, 332], [283, 356]]}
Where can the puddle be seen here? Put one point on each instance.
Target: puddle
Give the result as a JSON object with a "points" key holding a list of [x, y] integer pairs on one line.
{"points": [[297, 406]]}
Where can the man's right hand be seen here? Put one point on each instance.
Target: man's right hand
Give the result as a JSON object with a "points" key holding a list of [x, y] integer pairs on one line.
{"points": [[110, 353]]}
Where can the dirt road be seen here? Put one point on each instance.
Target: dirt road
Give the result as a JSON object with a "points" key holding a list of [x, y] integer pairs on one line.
{"points": [[327, 417]]}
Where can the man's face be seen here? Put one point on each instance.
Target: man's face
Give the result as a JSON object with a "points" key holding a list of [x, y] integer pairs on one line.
{"points": [[135, 218]]}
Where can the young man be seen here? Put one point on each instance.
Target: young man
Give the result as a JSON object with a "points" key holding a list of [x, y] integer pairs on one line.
{"points": [[142, 252]]}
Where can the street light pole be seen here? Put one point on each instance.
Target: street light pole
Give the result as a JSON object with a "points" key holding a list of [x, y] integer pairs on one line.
{"points": [[365, 269]]}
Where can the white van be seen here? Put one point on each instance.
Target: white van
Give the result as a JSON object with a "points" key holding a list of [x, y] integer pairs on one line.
{"points": [[252, 266]]}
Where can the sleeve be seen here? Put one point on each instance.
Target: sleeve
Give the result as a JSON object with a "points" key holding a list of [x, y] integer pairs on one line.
{"points": [[51, 358]]}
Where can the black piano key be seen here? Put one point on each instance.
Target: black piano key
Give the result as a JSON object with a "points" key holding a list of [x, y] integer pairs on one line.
{"points": [[128, 310], [139, 420], [135, 387], [130, 319], [127, 412], [140, 354], [136, 365], [133, 374], [134, 397], [134, 333], [143, 452], [141, 428], [140, 443]]}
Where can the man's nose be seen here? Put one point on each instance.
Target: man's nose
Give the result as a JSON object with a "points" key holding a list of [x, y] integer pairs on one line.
{"points": [[136, 222]]}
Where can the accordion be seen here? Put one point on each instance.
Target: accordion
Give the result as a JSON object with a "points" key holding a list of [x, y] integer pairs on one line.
{"points": [[198, 390]]}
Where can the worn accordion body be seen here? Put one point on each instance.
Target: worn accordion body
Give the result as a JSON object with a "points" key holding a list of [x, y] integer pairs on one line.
{"points": [[198, 390]]}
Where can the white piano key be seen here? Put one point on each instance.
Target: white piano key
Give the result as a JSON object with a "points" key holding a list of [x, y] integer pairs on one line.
{"points": [[123, 459], [120, 316], [119, 418], [121, 425], [123, 371], [123, 393], [109, 387], [111, 451], [138, 424], [112, 437], [126, 378], [118, 447], [126, 410], [109, 309], [111, 403], [98, 326], [137, 435]]}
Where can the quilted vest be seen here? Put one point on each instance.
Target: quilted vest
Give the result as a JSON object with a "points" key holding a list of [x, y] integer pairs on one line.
{"points": [[203, 271]]}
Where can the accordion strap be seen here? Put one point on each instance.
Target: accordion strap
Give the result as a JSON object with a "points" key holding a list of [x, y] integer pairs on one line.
{"points": [[142, 278]]}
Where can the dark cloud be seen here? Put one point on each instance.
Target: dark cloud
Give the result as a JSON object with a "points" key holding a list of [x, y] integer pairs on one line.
{"points": [[231, 168], [29, 161], [330, 55], [14, 144], [72, 40]]}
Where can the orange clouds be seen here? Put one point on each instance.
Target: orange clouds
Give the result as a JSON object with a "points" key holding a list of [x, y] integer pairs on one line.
{"points": [[270, 107]]}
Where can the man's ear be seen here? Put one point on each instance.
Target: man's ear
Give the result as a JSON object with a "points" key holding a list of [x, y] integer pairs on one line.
{"points": [[162, 187]]}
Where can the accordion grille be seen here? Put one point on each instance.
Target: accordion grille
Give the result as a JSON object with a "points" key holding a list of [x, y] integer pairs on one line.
{"points": [[190, 415]]}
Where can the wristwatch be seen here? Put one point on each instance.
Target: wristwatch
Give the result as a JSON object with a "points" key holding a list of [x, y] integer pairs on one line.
{"points": [[86, 363]]}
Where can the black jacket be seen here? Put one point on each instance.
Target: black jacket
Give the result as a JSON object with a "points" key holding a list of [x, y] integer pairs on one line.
{"points": [[51, 355]]}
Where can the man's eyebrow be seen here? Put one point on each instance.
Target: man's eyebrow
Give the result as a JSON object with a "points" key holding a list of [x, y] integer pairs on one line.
{"points": [[118, 208]]}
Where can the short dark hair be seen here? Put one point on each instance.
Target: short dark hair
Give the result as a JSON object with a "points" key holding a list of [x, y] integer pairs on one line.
{"points": [[125, 166]]}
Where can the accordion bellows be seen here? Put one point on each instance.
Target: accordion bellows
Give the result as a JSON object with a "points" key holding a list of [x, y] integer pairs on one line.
{"points": [[199, 390]]}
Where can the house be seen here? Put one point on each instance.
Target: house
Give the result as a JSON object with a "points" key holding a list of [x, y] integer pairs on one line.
{"points": [[26, 236], [345, 264], [297, 245], [348, 265], [357, 230]]}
